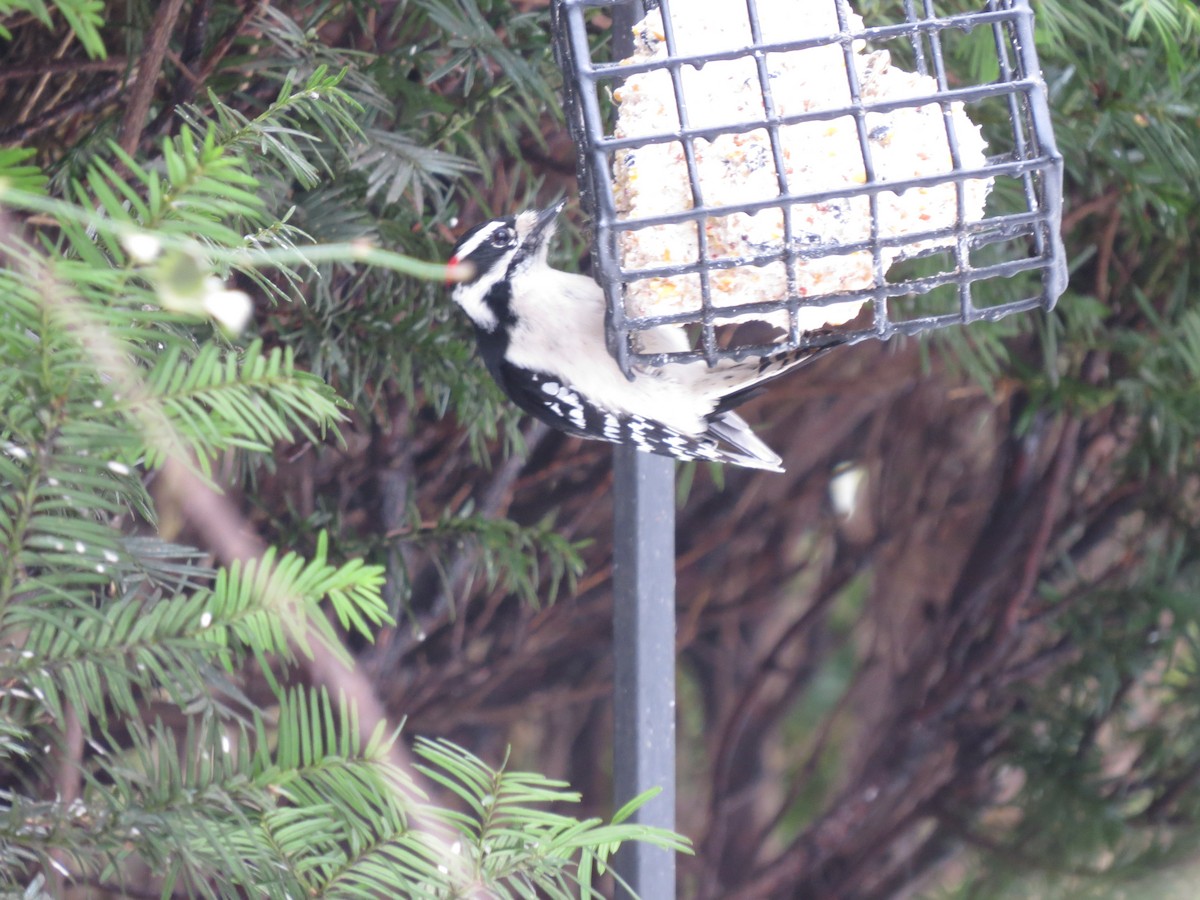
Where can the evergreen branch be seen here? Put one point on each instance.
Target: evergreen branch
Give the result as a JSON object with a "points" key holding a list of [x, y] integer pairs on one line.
{"points": [[180, 805], [319, 765], [85, 18], [395, 163], [514, 840], [275, 132], [59, 473], [16, 170], [108, 661], [224, 531], [221, 399], [348, 252], [476, 43], [343, 252], [509, 555], [270, 605]]}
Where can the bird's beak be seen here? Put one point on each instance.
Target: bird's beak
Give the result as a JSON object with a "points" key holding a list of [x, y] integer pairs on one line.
{"points": [[543, 229]]}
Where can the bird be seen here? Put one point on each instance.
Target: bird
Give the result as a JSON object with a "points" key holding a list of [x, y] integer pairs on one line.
{"points": [[540, 332]]}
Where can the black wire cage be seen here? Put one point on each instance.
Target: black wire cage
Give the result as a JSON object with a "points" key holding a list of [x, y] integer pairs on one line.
{"points": [[787, 164]]}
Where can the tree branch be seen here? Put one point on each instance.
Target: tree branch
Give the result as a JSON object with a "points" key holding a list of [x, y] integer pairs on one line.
{"points": [[148, 69]]}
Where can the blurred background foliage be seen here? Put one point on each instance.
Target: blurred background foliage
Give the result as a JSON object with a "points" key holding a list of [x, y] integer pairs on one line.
{"points": [[980, 683]]}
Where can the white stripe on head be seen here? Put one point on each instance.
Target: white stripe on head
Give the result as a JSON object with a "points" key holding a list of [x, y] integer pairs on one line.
{"points": [[478, 238], [472, 297], [491, 267]]}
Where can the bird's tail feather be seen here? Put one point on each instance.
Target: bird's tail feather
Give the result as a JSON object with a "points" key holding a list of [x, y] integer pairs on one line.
{"points": [[733, 430]]}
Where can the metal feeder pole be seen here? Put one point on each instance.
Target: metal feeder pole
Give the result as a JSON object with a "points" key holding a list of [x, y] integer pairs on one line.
{"points": [[643, 630], [644, 659]]}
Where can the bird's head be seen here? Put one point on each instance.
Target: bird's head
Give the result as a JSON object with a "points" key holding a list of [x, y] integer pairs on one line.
{"points": [[497, 252]]}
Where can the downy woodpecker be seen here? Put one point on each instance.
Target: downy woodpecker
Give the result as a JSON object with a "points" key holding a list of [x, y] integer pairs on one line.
{"points": [[541, 334]]}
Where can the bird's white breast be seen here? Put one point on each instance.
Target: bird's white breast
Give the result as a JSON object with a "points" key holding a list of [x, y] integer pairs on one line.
{"points": [[560, 330]]}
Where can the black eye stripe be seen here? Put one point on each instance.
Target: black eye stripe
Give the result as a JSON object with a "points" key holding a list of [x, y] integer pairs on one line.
{"points": [[484, 242], [485, 245]]}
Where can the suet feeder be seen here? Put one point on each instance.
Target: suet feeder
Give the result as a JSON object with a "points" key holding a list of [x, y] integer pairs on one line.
{"points": [[773, 174]]}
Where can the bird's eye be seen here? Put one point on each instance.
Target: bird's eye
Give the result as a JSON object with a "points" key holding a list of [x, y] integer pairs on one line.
{"points": [[502, 237]]}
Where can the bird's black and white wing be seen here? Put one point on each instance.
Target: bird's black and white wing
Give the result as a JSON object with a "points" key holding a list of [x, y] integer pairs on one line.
{"points": [[551, 400]]}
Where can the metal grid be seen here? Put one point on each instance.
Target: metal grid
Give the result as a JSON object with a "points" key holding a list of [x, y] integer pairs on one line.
{"points": [[1009, 260]]}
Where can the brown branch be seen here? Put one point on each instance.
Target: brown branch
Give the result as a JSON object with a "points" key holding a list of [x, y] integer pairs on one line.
{"points": [[494, 500], [194, 78], [251, 9], [186, 77], [148, 70], [35, 95], [866, 819], [23, 132], [1055, 493], [63, 66], [1062, 651], [1096, 206], [985, 593], [766, 669], [1104, 255], [68, 779], [808, 769], [1173, 791]]}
